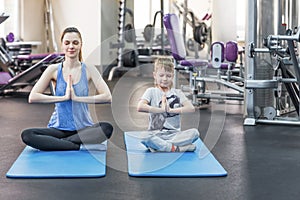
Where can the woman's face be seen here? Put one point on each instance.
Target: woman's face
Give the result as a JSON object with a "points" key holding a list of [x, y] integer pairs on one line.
{"points": [[71, 45]]}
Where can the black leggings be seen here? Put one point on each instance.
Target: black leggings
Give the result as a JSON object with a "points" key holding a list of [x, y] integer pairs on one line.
{"points": [[51, 139]]}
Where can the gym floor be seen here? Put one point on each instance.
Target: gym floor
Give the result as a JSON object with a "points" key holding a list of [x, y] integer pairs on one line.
{"points": [[262, 161]]}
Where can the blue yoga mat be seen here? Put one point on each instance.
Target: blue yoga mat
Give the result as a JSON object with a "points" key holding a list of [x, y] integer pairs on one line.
{"points": [[141, 162], [33, 163]]}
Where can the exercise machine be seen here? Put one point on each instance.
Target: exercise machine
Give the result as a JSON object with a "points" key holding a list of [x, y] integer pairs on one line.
{"points": [[272, 77], [10, 85], [126, 58], [155, 44], [199, 71], [201, 31], [285, 83], [22, 69]]}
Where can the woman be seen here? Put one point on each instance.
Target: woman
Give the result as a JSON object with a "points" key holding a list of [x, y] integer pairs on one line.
{"points": [[70, 126]]}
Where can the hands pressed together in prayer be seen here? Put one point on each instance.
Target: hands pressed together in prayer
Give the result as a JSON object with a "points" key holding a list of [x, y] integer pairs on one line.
{"points": [[70, 93], [164, 104]]}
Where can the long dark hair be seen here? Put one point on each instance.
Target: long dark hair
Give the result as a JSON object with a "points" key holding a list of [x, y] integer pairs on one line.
{"points": [[72, 30]]}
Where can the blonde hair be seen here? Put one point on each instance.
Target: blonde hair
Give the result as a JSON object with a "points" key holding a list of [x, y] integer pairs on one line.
{"points": [[165, 63]]}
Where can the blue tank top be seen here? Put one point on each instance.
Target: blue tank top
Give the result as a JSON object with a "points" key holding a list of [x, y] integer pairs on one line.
{"points": [[70, 115]]}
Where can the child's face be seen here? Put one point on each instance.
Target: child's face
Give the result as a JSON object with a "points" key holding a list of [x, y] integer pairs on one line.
{"points": [[163, 78]]}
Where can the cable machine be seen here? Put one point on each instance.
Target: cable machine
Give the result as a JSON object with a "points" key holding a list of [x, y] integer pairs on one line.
{"points": [[272, 78]]}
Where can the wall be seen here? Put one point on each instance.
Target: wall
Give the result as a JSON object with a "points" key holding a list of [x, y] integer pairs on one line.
{"points": [[10, 8], [85, 15], [32, 23], [224, 20]]}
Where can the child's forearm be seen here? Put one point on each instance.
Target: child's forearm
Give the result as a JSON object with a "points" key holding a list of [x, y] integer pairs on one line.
{"points": [[153, 109], [182, 110], [150, 109]]}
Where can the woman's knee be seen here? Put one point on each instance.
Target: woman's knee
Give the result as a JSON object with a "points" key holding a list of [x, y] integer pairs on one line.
{"points": [[26, 135], [107, 129]]}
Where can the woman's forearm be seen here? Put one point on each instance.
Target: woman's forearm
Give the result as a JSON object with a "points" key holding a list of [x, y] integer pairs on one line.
{"points": [[43, 98], [100, 98]]}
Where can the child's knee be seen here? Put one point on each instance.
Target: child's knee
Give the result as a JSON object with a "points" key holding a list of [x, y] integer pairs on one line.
{"points": [[157, 144], [195, 132]]}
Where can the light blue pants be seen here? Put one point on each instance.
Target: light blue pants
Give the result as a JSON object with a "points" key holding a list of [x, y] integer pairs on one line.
{"points": [[163, 140]]}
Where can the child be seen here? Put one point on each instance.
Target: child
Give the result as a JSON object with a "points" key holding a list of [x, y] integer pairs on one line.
{"points": [[164, 105]]}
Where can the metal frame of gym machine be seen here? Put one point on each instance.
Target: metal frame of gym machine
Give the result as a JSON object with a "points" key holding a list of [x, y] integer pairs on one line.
{"points": [[120, 45], [272, 24]]}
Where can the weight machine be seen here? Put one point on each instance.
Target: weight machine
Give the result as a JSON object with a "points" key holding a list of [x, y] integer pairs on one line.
{"points": [[14, 75], [126, 58], [149, 33], [201, 32], [285, 83], [198, 69], [28, 77], [272, 74]]}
